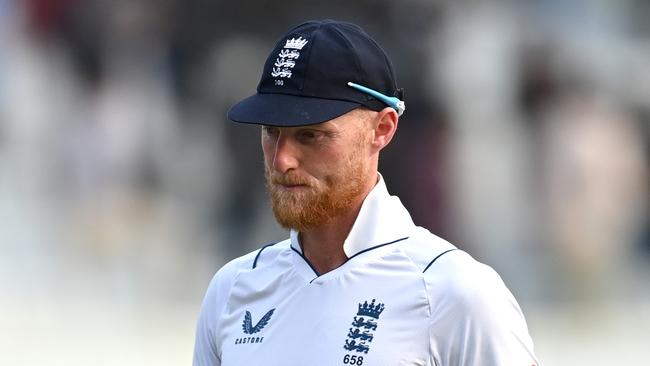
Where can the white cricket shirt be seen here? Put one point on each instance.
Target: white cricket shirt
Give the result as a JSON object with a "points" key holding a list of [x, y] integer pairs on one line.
{"points": [[404, 297]]}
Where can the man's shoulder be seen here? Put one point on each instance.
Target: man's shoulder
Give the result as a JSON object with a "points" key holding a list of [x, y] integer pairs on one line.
{"points": [[467, 295], [267, 254], [444, 266], [224, 280], [259, 257], [466, 284], [424, 248]]}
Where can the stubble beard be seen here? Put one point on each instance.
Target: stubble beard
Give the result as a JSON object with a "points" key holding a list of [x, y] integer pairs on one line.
{"points": [[323, 200]]}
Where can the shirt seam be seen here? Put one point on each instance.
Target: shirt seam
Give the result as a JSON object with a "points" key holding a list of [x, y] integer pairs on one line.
{"points": [[438, 256], [259, 252], [348, 259], [227, 306], [306, 261]]}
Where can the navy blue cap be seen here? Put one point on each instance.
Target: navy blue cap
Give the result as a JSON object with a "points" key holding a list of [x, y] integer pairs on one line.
{"points": [[305, 78]]}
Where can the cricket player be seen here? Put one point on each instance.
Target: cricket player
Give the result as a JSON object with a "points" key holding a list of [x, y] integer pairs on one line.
{"points": [[356, 282]]}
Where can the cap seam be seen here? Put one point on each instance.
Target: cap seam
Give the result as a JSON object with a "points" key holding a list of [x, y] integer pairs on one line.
{"points": [[388, 62], [357, 62], [308, 60]]}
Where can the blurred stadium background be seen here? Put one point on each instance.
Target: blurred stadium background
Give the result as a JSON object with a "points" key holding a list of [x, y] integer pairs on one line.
{"points": [[123, 188]]}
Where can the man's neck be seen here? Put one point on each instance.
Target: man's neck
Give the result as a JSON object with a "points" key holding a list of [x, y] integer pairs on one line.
{"points": [[323, 245]]}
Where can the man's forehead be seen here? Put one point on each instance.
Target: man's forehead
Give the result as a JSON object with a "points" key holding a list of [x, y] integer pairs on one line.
{"points": [[353, 117]]}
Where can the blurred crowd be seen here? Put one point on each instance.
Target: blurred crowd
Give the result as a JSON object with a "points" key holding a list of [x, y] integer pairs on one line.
{"points": [[526, 142]]}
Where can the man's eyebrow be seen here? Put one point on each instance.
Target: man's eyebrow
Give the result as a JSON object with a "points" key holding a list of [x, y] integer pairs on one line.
{"points": [[331, 133], [325, 130]]}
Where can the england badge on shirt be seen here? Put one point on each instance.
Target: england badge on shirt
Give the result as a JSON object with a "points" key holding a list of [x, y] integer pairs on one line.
{"points": [[361, 334]]}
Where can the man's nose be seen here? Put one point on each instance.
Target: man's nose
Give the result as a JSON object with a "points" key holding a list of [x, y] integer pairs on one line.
{"points": [[286, 155]]}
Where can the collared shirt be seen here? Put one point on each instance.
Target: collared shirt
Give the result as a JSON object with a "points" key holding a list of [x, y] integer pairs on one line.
{"points": [[403, 297]]}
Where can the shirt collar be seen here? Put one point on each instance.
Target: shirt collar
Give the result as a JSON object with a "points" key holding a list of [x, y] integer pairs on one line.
{"points": [[382, 219]]}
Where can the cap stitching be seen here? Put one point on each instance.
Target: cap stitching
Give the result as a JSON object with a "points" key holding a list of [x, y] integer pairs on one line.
{"points": [[389, 63], [357, 62], [307, 60]]}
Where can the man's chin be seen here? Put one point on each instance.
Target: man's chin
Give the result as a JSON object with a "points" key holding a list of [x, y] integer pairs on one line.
{"points": [[296, 221], [300, 212]]}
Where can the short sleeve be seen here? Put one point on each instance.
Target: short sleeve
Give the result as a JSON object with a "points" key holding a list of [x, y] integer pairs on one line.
{"points": [[475, 319], [206, 349], [205, 352]]}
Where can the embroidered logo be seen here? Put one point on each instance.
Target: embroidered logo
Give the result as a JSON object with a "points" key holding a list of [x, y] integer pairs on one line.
{"points": [[361, 334], [248, 328], [296, 43], [287, 57]]}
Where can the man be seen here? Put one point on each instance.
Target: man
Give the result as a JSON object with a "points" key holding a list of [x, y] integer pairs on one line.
{"points": [[357, 283]]}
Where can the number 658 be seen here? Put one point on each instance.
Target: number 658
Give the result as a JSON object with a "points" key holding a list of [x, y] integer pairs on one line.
{"points": [[353, 360]]}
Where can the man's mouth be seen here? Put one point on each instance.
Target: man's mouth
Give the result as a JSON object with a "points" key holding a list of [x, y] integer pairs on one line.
{"points": [[291, 187]]}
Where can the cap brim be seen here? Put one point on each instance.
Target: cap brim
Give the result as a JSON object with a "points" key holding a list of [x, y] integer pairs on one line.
{"points": [[288, 110]]}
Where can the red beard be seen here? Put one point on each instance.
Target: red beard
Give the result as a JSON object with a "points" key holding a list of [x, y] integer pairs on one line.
{"points": [[321, 201]]}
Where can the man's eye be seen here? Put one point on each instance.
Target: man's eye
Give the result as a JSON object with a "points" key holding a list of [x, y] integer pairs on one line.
{"points": [[308, 134]]}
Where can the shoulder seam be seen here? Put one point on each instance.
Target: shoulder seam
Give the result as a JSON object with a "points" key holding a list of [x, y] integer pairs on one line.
{"points": [[260, 252], [438, 256]]}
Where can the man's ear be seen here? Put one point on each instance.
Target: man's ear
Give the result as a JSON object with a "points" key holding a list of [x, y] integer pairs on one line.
{"points": [[385, 126]]}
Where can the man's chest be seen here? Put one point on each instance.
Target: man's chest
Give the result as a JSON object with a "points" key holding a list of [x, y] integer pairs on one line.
{"points": [[353, 319]]}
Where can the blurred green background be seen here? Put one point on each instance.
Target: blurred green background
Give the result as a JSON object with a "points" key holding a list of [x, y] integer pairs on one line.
{"points": [[123, 187]]}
